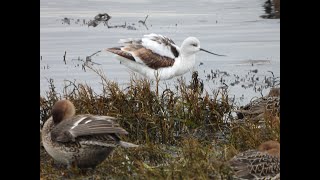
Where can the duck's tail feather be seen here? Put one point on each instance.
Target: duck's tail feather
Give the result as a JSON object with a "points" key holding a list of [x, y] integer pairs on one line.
{"points": [[127, 144]]}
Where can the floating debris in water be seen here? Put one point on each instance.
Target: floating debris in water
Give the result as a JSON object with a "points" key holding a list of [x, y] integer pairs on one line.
{"points": [[87, 61], [93, 23], [66, 20], [131, 28], [104, 18], [144, 22], [64, 57], [98, 19]]}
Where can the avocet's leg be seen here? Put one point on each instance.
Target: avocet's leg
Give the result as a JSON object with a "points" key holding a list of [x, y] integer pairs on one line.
{"points": [[157, 77]]}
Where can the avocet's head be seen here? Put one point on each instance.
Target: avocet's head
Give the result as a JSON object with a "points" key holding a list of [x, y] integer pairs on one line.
{"points": [[191, 45]]}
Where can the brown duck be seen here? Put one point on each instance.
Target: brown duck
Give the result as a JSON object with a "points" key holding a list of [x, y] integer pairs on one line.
{"points": [[259, 108], [263, 163], [84, 140]]}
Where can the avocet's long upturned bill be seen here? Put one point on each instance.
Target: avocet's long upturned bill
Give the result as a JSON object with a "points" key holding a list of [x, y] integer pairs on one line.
{"points": [[158, 57]]}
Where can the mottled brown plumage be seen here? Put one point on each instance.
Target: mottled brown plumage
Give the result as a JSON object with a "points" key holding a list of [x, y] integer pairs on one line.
{"points": [[263, 163], [259, 108]]}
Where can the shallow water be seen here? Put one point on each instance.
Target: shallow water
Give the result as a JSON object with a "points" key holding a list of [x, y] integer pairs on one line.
{"points": [[233, 28]]}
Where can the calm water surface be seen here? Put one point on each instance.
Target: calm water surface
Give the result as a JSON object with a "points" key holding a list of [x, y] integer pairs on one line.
{"points": [[233, 28]]}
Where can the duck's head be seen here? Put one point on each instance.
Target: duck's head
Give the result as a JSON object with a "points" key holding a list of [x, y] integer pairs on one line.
{"points": [[272, 147], [61, 110]]}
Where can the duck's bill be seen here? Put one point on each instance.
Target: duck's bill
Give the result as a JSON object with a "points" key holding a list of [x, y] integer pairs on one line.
{"points": [[211, 52]]}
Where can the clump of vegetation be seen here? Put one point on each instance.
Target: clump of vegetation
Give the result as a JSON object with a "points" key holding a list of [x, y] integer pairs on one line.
{"points": [[183, 132]]}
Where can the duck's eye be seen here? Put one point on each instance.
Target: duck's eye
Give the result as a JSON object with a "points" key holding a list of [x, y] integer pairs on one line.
{"points": [[195, 45]]}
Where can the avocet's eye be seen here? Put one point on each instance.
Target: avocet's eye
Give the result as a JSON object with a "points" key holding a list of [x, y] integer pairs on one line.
{"points": [[195, 45]]}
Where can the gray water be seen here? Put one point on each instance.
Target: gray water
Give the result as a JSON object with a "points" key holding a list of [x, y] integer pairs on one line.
{"points": [[233, 28]]}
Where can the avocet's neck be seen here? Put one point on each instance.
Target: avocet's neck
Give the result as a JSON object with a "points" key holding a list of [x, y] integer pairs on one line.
{"points": [[187, 59], [185, 50], [184, 63]]}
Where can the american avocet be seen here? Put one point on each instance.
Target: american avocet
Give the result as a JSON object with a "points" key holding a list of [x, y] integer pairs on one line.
{"points": [[263, 163], [84, 140], [158, 57]]}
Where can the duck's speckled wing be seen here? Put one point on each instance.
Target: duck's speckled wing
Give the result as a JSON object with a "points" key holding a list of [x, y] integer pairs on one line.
{"points": [[86, 125], [259, 106], [255, 164]]}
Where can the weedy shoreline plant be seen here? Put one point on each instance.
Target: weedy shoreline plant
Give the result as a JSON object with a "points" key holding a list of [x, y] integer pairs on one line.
{"points": [[184, 132]]}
